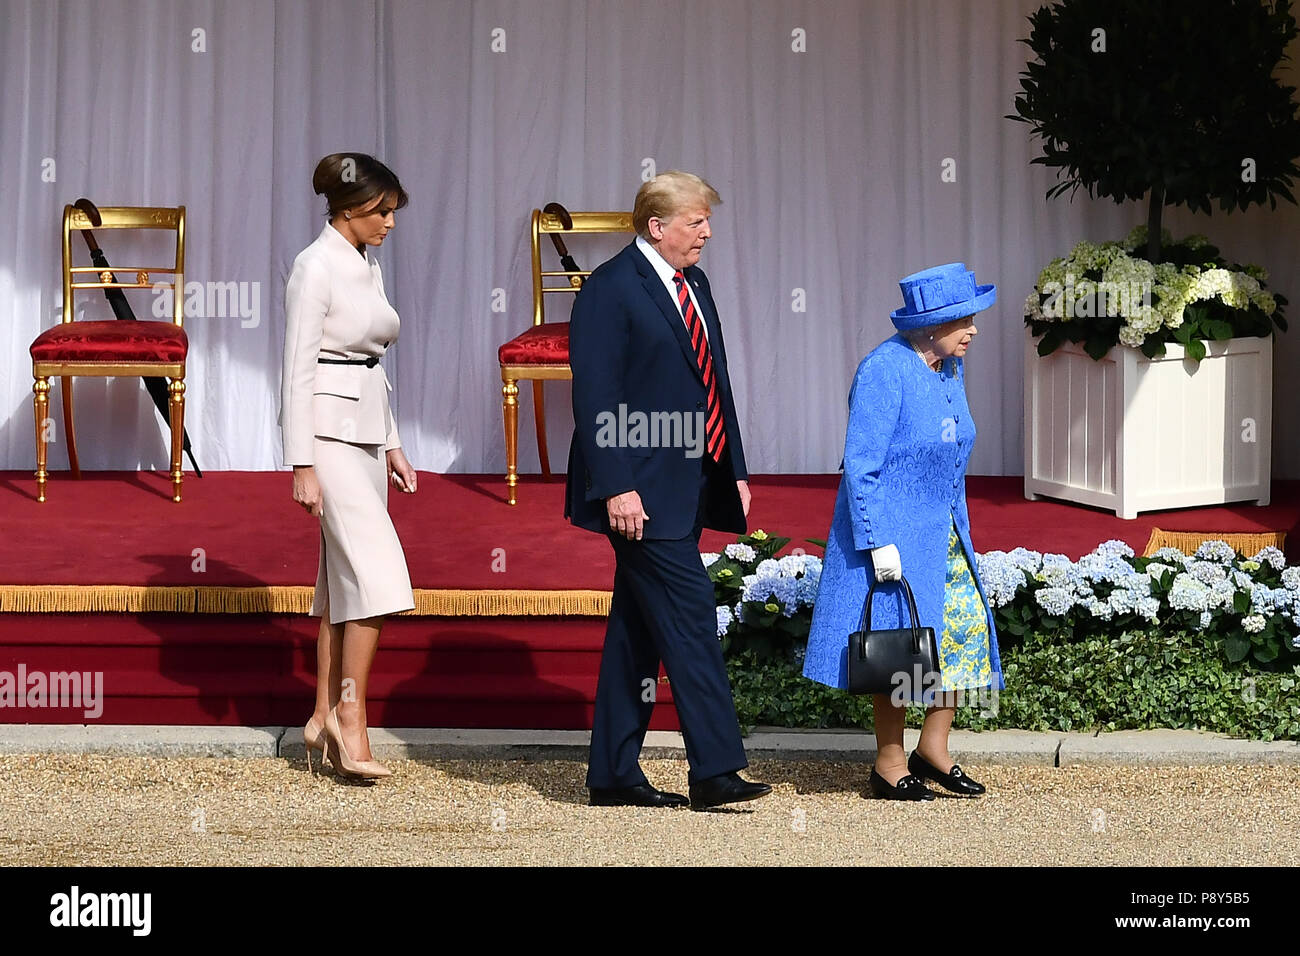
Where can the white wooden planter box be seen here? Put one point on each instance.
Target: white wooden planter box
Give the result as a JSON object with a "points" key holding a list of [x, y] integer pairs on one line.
{"points": [[1135, 434]]}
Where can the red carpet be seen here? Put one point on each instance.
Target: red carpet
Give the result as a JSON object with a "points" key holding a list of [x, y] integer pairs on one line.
{"points": [[458, 671], [123, 529]]}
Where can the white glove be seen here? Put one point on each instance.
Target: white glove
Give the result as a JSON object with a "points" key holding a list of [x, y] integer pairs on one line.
{"points": [[889, 566]]}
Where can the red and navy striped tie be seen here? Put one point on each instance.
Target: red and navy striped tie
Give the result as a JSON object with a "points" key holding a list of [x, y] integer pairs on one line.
{"points": [[715, 428]]}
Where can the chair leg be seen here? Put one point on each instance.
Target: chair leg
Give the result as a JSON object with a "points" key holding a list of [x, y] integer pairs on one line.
{"points": [[69, 430], [41, 407], [539, 413], [510, 412], [176, 413]]}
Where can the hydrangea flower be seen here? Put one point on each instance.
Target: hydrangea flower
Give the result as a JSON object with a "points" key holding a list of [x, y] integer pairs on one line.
{"points": [[1114, 548], [1170, 556], [1271, 556], [710, 558], [740, 552], [725, 620], [1056, 601], [1219, 551], [1189, 594], [1207, 572], [1291, 579], [1252, 623]]}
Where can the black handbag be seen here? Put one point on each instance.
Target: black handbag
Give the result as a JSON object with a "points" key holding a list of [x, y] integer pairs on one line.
{"points": [[902, 662]]}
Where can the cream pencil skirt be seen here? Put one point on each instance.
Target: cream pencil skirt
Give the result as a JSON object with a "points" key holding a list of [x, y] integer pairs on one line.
{"points": [[362, 568]]}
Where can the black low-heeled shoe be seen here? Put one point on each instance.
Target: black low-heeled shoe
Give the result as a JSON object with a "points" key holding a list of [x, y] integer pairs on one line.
{"points": [[954, 780], [908, 788]]}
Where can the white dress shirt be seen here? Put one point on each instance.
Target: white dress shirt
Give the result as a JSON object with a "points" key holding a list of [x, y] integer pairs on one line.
{"points": [[666, 273]]}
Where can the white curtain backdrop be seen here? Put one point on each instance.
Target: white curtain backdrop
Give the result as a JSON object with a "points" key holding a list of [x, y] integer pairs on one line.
{"points": [[829, 161]]}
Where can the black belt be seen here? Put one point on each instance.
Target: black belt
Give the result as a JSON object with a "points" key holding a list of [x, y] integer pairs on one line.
{"points": [[367, 362]]}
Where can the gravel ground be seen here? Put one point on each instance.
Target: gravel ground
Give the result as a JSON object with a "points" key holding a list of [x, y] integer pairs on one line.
{"points": [[86, 809]]}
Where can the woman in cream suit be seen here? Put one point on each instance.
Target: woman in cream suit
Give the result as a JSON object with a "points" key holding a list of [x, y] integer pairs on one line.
{"points": [[341, 439]]}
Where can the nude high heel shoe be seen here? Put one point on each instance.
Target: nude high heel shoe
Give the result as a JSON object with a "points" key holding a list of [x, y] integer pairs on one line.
{"points": [[313, 737], [343, 762]]}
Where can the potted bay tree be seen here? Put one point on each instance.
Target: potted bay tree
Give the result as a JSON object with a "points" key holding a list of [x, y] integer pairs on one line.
{"points": [[1148, 360]]}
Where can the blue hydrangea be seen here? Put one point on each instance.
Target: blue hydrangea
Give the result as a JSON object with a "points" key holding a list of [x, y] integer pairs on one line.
{"points": [[1219, 551], [1055, 601], [725, 620], [1170, 556], [1114, 548], [1024, 559], [1272, 557], [1205, 619], [1222, 594], [1207, 572], [767, 568], [1000, 577], [1291, 579]]}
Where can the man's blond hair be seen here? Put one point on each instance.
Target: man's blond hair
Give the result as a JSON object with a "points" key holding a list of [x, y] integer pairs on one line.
{"points": [[667, 194]]}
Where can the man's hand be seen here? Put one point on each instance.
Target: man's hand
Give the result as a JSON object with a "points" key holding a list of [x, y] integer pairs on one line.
{"points": [[743, 488], [626, 516], [400, 472], [306, 489]]}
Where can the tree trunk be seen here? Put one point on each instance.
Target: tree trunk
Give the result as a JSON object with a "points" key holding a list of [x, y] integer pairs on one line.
{"points": [[1157, 204]]}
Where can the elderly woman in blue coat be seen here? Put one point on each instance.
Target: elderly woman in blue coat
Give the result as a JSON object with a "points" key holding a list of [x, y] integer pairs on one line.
{"points": [[901, 509]]}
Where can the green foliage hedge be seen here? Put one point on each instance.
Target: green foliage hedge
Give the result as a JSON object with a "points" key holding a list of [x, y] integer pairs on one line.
{"points": [[1136, 680]]}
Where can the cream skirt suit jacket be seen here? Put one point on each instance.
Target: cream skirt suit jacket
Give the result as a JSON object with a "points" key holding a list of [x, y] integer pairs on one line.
{"points": [[337, 418]]}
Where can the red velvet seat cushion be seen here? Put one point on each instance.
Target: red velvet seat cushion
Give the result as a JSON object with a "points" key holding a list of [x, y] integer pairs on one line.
{"points": [[112, 340], [545, 344]]}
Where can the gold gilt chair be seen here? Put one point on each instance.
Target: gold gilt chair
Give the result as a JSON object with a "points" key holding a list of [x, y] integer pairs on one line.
{"points": [[113, 347], [542, 352]]}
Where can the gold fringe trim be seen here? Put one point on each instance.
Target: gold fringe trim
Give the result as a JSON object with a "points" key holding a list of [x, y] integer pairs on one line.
{"points": [[128, 599], [1247, 544]]}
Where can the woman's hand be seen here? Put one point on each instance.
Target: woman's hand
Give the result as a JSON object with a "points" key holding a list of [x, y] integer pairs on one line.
{"points": [[306, 489], [888, 564], [400, 472], [743, 488]]}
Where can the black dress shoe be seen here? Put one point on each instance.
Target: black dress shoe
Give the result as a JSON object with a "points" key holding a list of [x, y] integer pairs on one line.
{"points": [[954, 780], [638, 795], [725, 788], [908, 788]]}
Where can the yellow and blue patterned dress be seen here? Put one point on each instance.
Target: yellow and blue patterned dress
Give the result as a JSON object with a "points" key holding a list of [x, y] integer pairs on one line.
{"points": [[964, 646]]}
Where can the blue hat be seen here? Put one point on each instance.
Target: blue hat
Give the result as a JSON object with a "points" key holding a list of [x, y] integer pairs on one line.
{"points": [[938, 294]]}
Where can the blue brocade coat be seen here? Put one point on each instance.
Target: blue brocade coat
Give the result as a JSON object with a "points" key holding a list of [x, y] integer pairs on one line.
{"points": [[909, 438]]}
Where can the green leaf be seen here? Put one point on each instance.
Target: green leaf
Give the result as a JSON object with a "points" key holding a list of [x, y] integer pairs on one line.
{"points": [[1237, 647]]}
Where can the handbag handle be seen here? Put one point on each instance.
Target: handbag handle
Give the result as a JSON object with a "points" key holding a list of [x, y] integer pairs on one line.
{"points": [[911, 606]]}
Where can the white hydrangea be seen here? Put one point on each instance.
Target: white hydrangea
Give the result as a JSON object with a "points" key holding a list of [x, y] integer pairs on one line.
{"points": [[740, 552]]}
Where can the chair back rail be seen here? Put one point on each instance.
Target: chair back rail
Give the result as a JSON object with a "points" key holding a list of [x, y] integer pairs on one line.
{"points": [[126, 217], [584, 223]]}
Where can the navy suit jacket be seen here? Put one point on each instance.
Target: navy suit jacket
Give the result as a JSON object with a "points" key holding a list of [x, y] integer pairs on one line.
{"points": [[628, 347]]}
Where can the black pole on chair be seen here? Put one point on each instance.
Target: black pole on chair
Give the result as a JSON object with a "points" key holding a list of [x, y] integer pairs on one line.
{"points": [[155, 384]]}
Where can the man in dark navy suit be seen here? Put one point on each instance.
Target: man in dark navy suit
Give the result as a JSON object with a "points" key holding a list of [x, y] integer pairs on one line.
{"points": [[656, 456]]}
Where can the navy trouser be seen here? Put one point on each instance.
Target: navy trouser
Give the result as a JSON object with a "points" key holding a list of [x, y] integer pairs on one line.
{"points": [[662, 610]]}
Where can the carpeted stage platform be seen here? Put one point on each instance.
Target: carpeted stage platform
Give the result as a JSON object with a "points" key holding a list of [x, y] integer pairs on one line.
{"points": [[195, 612]]}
